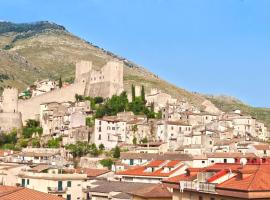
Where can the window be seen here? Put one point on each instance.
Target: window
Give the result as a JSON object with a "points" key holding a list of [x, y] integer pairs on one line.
{"points": [[99, 129], [28, 181], [99, 137], [264, 151], [225, 160], [203, 162], [23, 182], [69, 184]]}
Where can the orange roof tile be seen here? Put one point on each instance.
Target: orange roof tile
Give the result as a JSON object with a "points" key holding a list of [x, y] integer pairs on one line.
{"points": [[15, 193], [250, 178], [141, 171], [155, 163]]}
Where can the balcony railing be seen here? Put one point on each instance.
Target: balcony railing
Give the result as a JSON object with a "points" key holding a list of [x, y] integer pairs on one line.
{"points": [[56, 190], [202, 187]]}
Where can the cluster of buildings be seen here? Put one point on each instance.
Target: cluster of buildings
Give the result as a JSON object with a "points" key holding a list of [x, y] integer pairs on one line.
{"points": [[189, 153], [170, 176]]}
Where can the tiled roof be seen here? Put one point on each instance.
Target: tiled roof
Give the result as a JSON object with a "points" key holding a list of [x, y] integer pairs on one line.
{"points": [[15, 193], [262, 147], [141, 171], [177, 123], [156, 156], [155, 163], [94, 172], [221, 166], [115, 186], [250, 178], [230, 155], [173, 163], [154, 191]]}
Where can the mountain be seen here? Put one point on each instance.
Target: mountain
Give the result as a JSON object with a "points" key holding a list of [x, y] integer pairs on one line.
{"points": [[35, 51]]}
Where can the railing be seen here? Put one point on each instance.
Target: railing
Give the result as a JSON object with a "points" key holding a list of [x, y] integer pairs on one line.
{"points": [[202, 187], [57, 190]]}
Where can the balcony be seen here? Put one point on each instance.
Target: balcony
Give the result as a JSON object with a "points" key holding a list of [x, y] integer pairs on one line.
{"points": [[201, 187], [56, 190]]}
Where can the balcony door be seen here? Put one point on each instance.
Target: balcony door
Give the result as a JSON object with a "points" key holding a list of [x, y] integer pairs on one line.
{"points": [[60, 185]]}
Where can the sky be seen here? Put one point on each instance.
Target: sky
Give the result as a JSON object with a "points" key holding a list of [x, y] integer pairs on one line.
{"points": [[219, 47]]}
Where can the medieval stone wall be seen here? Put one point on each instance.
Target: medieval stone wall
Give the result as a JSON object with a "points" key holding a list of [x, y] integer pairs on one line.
{"points": [[30, 108], [9, 121], [89, 82]]}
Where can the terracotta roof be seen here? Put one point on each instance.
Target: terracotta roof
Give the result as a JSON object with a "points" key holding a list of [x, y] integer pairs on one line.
{"points": [[177, 123], [122, 195], [154, 191], [40, 168], [155, 163], [221, 166], [94, 172], [15, 193], [230, 155], [262, 147], [173, 163], [141, 171], [250, 178], [156, 156], [116, 186]]}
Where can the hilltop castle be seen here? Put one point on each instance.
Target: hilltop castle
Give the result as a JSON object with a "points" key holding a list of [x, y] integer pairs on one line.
{"points": [[89, 82]]}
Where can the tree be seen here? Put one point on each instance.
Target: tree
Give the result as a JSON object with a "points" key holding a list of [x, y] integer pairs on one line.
{"points": [[116, 152], [98, 100], [89, 121], [35, 143], [30, 123], [144, 140], [143, 94], [107, 163], [78, 97], [60, 83], [54, 143], [134, 141], [133, 92], [101, 147], [159, 115]]}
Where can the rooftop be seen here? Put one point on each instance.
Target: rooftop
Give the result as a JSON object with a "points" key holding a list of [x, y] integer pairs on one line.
{"points": [[15, 193]]}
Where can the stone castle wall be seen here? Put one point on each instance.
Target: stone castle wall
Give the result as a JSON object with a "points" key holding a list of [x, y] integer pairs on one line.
{"points": [[30, 108], [89, 82], [9, 121]]}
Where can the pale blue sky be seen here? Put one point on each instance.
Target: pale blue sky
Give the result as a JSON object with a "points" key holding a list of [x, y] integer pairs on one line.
{"points": [[207, 46]]}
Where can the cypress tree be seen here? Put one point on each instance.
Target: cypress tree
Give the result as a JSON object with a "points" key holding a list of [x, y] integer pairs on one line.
{"points": [[143, 94], [60, 82], [133, 92]]}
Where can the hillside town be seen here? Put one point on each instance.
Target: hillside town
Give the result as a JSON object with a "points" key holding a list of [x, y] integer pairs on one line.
{"points": [[92, 139]]}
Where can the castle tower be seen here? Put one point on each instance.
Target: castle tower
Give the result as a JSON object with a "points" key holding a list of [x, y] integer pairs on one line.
{"points": [[83, 69], [107, 81], [10, 100]]}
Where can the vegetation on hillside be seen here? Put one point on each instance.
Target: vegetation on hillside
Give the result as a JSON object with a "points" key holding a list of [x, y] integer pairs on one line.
{"points": [[33, 51], [261, 114]]}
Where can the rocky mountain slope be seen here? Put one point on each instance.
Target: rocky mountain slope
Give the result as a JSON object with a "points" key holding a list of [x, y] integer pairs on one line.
{"points": [[34, 51]]}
